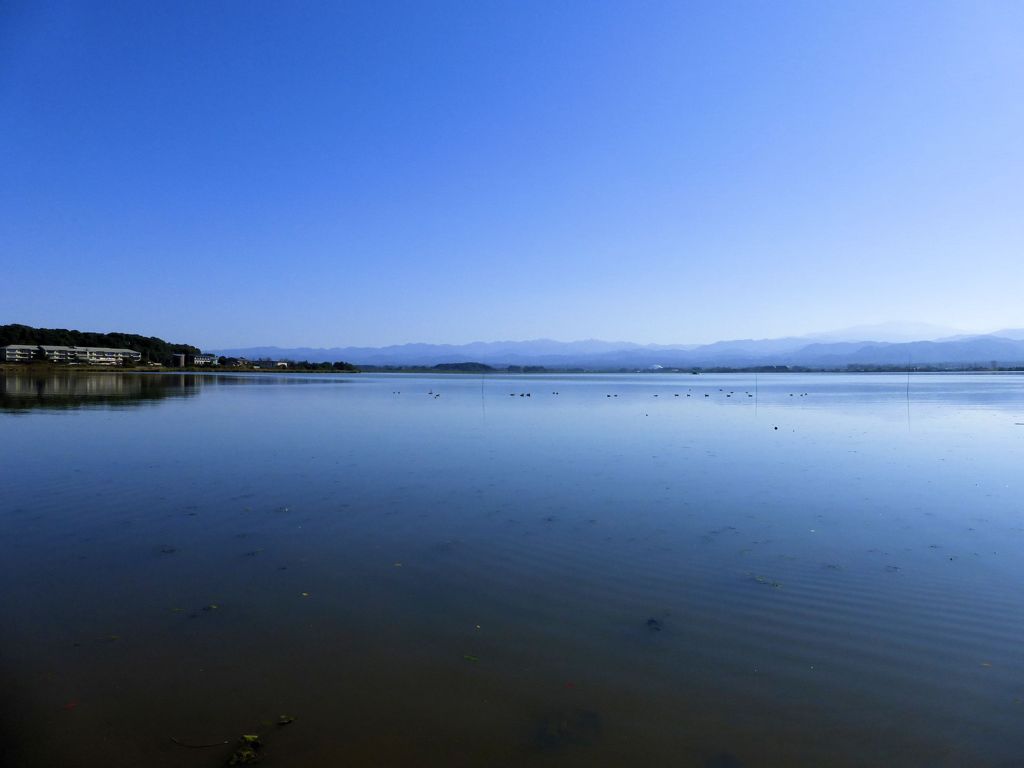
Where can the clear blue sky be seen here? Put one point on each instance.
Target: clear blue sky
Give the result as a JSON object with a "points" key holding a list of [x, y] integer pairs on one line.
{"points": [[370, 173]]}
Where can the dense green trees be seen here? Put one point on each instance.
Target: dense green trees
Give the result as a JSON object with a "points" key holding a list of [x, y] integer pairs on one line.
{"points": [[305, 365], [470, 367], [302, 365]]}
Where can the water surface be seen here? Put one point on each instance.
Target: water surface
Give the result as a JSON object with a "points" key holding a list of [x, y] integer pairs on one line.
{"points": [[670, 569]]}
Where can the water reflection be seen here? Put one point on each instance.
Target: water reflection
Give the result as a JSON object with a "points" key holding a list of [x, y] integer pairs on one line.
{"points": [[62, 390]]}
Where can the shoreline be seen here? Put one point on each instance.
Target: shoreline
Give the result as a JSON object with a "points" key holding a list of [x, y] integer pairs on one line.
{"points": [[35, 368]]}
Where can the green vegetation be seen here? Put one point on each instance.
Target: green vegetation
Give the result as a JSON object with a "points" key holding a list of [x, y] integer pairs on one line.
{"points": [[529, 369], [464, 367]]}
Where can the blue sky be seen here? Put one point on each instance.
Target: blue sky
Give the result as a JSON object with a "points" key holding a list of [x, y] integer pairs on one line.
{"points": [[370, 173]]}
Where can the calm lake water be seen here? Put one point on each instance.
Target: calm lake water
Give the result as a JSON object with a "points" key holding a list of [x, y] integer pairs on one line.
{"points": [[426, 571]]}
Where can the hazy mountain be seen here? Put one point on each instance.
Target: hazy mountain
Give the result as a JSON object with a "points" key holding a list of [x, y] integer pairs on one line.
{"points": [[976, 350], [1009, 333], [891, 332], [1007, 349]]}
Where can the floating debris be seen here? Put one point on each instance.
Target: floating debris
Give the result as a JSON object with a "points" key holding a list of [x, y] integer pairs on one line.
{"points": [[248, 750], [655, 625], [470, 657], [285, 720]]}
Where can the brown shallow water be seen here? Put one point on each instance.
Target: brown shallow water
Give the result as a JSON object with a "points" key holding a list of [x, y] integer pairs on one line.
{"points": [[480, 579]]}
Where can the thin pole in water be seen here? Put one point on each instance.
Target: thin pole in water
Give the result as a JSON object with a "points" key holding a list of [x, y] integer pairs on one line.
{"points": [[908, 393]]}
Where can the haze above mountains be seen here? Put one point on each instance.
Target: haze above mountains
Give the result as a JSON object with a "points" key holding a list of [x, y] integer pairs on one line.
{"points": [[883, 344]]}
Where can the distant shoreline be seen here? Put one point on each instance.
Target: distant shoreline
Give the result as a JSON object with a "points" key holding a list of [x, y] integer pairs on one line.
{"points": [[39, 368]]}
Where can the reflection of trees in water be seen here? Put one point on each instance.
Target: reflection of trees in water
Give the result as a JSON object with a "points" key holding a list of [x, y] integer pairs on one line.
{"points": [[61, 389], [64, 389]]}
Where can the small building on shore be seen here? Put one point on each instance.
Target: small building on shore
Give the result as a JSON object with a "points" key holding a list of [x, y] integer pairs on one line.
{"points": [[187, 360], [20, 353]]}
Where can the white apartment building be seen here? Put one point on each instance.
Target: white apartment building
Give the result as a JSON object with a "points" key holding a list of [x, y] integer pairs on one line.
{"points": [[21, 353], [106, 355]]}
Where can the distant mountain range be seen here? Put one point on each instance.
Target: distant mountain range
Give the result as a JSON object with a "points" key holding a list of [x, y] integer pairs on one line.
{"points": [[831, 350]]}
